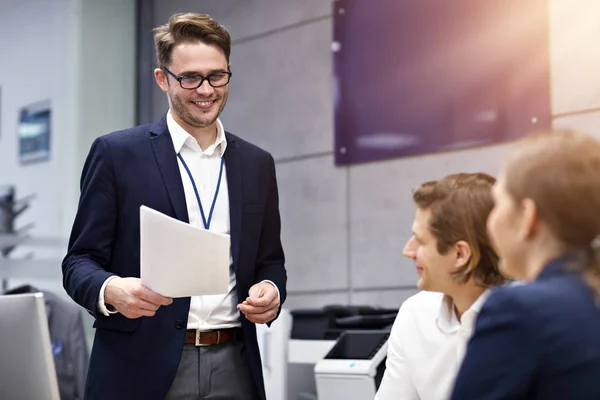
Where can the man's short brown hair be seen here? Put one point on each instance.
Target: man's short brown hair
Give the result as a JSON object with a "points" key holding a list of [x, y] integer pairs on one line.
{"points": [[185, 28], [459, 206]]}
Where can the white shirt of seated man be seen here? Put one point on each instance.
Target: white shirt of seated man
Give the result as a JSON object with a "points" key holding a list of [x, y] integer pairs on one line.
{"points": [[429, 336]]}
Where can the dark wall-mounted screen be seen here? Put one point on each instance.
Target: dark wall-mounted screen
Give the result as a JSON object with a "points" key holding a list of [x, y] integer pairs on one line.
{"points": [[419, 76]]}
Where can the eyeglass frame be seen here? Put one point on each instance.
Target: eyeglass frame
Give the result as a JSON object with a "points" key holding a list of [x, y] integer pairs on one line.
{"points": [[203, 78]]}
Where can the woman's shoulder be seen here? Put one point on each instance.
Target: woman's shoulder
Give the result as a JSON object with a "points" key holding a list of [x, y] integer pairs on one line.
{"points": [[540, 296]]}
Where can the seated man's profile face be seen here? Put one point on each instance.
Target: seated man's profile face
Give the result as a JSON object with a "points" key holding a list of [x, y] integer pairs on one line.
{"points": [[434, 269]]}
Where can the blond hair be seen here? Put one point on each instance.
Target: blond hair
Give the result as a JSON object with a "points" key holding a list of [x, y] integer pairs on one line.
{"points": [[190, 27], [560, 172]]}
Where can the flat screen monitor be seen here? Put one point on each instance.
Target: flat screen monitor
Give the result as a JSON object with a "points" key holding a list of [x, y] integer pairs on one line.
{"points": [[26, 365], [34, 132], [421, 76], [358, 345]]}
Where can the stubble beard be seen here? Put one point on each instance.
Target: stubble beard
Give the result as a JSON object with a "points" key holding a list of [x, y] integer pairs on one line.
{"points": [[182, 108]]}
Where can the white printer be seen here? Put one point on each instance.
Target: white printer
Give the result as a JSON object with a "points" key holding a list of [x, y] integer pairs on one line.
{"points": [[353, 368]]}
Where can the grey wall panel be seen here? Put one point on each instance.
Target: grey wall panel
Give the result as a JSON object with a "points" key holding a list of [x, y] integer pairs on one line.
{"points": [[245, 18], [315, 300], [159, 102], [589, 122], [314, 213], [574, 60], [281, 93]]}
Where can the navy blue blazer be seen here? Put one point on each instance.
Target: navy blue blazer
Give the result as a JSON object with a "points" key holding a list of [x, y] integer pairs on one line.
{"points": [[138, 358], [535, 341]]}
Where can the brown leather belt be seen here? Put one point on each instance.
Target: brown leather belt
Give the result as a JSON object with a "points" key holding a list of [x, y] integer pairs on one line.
{"points": [[206, 338]]}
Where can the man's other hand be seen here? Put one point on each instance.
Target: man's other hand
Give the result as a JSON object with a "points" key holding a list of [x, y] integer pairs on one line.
{"points": [[262, 304]]}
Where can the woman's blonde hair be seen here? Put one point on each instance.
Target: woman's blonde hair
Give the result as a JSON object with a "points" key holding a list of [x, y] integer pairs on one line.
{"points": [[560, 172]]}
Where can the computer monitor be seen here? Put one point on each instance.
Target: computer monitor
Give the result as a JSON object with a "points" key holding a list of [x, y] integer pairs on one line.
{"points": [[26, 364]]}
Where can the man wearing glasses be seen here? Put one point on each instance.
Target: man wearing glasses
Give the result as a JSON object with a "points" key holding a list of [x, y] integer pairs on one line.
{"points": [[187, 166]]}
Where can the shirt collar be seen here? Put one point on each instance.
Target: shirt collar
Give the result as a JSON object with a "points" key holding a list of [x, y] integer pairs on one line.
{"points": [[182, 138], [448, 322]]}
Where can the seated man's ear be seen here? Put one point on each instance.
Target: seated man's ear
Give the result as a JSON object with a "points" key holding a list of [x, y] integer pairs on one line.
{"points": [[463, 254]]}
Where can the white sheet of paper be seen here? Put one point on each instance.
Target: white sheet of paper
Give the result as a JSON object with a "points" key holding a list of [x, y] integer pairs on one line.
{"points": [[180, 260]]}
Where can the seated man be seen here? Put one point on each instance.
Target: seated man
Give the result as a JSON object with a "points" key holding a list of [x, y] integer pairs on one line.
{"points": [[456, 265]]}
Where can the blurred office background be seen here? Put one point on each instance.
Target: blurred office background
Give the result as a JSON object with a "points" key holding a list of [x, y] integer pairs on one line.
{"points": [[344, 224]]}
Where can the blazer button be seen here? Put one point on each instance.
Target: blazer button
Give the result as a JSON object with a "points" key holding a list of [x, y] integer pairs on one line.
{"points": [[179, 324]]}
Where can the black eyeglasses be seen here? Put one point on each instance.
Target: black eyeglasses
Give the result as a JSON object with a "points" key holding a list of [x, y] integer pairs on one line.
{"points": [[191, 82]]}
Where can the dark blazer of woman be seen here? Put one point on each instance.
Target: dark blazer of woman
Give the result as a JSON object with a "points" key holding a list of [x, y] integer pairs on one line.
{"points": [[539, 340]]}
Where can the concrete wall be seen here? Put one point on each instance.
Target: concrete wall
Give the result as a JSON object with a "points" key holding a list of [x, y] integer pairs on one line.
{"points": [[344, 228], [80, 55]]}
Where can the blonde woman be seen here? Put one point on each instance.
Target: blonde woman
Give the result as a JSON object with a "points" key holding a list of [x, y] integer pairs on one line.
{"points": [[541, 340]]}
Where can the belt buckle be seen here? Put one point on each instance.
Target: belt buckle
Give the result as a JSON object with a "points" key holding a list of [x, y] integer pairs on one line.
{"points": [[198, 335], [198, 338]]}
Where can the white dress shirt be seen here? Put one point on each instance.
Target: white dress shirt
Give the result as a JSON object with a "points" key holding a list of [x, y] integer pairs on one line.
{"points": [[426, 346], [214, 311]]}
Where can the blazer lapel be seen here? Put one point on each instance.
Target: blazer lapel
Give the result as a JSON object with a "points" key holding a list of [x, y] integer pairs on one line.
{"points": [[162, 144], [233, 164]]}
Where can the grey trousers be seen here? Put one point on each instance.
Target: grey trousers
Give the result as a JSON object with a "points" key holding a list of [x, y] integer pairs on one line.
{"points": [[216, 372]]}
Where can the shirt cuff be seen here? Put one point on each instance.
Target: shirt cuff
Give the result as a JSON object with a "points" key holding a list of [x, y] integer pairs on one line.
{"points": [[275, 286], [101, 306]]}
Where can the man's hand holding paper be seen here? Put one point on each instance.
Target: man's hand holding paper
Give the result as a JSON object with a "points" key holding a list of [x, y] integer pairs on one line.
{"points": [[132, 299]]}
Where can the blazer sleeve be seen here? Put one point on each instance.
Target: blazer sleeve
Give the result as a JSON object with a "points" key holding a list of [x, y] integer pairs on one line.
{"points": [[90, 245], [396, 382], [270, 262], [500, 361]]}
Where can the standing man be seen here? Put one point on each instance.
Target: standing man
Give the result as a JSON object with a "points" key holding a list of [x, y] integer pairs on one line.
{"points": [[188, 167], [456, 264]]}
